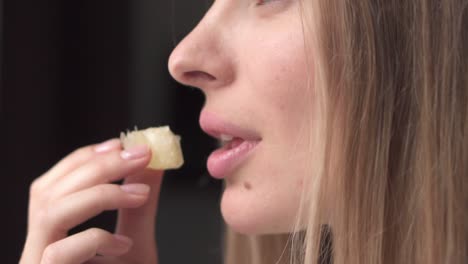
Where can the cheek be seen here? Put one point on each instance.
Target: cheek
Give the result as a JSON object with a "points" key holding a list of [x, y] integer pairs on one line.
{"points": [[264, 195], [282, 88]]}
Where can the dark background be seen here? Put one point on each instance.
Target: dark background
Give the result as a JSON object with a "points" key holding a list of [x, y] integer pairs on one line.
{"points": [[79, 72]]}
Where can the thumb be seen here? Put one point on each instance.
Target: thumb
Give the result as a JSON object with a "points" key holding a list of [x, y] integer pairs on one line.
{"points": [[139, 223]]}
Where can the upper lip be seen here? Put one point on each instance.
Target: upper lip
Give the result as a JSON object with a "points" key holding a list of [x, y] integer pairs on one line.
{"points": [[215, 127]]}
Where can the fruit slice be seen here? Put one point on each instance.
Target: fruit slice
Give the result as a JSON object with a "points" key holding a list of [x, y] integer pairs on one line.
{"points": [[164, 145]]}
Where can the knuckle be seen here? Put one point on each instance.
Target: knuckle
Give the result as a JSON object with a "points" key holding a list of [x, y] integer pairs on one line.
{"points": [[80, 154], [36, 188], [43, 216], [96, 234], [82, 151], [102, 190], [104, 166], [107, 190], [104, 193], [100, 167], [50, 218], [51, 254]]}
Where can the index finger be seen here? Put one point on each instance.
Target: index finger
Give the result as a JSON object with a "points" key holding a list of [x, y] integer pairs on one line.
{"points": [[75, 160]]}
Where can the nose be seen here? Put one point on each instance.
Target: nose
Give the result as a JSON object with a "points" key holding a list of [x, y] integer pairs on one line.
{"points": [[202, 59]]}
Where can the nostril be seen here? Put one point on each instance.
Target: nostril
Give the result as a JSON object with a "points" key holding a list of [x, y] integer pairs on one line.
{"points": [[196, 76]]}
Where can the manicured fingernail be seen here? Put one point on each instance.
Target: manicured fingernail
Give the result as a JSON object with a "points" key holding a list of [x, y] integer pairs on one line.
{"points": [[107, 146], [135, 188], [135, 153], [125, 241]]}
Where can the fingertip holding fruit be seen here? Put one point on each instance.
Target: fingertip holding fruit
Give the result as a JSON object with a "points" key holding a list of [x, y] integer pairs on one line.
{"points": [[107, 146], [164, 145], [135, 152]]}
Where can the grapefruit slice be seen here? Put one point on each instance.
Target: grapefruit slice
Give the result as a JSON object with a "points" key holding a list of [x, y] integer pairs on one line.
{"points": [[164, 145]]}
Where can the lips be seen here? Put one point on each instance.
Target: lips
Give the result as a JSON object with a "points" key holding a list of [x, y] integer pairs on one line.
{"points": [[238, 143]]}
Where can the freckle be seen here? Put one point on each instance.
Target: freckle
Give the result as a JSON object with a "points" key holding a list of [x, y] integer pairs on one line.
{"points": [[247, 185], [301, 183]]}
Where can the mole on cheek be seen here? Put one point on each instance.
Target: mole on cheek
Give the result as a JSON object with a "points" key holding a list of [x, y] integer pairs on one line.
{"points": [[300, 183], [247, 186]]}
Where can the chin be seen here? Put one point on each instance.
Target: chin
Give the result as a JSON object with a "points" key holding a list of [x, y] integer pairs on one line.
{"points": [[238, 208], [244, 213], [238, 221]]}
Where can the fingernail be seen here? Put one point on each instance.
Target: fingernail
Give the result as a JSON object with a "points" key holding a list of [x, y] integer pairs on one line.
{"points": [[119, 246], [125, 241], [135, 188], [107, 146], [134, 153]]}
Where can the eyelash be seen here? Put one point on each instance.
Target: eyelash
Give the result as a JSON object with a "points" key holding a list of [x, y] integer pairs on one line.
{"points": [[264, 2]]}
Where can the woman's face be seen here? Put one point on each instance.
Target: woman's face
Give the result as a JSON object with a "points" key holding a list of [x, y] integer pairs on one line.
{"points": [[248, 58]]}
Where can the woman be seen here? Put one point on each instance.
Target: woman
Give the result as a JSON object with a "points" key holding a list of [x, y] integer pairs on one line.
{"points": [[346, 128]]}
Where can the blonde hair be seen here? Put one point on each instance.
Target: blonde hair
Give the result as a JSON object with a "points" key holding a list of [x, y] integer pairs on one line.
{"points": [[393, 75]]}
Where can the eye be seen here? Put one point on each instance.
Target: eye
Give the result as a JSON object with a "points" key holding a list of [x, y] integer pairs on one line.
{"points": [[264, 2]]}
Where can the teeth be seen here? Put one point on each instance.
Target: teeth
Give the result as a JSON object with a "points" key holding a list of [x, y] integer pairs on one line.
{"points": [[226, 137]]}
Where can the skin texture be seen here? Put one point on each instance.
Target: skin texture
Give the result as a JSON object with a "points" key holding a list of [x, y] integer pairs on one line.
{"points": [[78, 188], [248, 58]]}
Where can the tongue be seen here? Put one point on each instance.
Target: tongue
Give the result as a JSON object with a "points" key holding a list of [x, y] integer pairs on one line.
{"points": [[234, 143]]}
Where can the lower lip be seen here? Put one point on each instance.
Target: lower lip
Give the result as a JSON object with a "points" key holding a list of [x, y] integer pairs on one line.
{"points": [[224, 161]]}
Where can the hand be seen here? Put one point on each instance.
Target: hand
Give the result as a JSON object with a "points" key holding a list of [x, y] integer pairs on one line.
{"points": [[79, 188]]}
